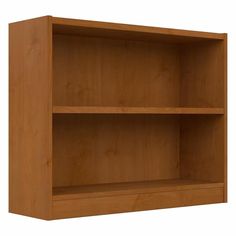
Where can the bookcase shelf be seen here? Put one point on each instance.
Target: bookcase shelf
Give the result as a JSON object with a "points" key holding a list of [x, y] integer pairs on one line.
{"points": [[135, 110], [108, 118], [110, 189], [168, 193]]}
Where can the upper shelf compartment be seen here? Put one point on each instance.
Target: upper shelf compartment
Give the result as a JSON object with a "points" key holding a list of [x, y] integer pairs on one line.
{"points": [[99, 64]]}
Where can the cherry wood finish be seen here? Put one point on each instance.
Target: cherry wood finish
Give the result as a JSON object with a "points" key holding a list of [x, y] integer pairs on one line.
{"points": [[108, 118], [202, 149], [135, 202], [133, 196], [104, 29], [30, 179], [109, 69], [101, 190], [202, 75], [92, 149], [135, 110]]}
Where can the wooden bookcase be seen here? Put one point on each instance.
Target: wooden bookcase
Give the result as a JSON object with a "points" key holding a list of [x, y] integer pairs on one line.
{"points": [[108, 118]]}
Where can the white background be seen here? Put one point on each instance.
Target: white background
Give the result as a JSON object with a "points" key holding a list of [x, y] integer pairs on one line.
{"points": [[204, 15]]}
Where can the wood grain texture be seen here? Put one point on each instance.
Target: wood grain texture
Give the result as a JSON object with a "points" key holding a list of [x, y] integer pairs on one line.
{"points": [[108, 118], [101, 190], [202, 75], [93, 149], [135, 110], [135, 202], [93, 71], [105, 29], [202, 148], [30, 183]]}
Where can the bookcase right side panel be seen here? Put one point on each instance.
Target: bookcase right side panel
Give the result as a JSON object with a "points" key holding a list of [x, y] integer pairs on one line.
{"points": [[203, 139]]}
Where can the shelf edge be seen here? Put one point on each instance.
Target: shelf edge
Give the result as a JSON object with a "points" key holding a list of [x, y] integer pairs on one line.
{"points": [[135, 110], [146, 190]]}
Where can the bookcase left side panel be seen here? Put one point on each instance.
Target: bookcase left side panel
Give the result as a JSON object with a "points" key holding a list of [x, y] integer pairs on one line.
{"points": [[30, 117]]}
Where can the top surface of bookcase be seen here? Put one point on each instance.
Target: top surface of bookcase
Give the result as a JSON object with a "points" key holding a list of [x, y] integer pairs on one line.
{"points": [[64, 25], [74, 26], [126, 31]]}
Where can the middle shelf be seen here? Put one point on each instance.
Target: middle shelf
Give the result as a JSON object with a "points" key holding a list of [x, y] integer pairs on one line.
{"points": [[137, 110]]}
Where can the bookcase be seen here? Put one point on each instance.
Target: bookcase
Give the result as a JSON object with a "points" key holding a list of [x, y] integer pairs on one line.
{"points": [[108, 118]]}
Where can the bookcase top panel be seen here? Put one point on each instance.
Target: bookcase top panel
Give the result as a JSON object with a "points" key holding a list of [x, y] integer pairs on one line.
{"points": [[105, 29]]}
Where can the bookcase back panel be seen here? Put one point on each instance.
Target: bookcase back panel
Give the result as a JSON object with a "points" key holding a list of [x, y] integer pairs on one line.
{"points": [[96, 71], [93, 149]]}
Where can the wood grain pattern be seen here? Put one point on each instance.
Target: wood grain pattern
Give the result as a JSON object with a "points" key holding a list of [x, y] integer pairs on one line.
{"points": [[202, 148], [93, 71], [135, 110], [101, 190], [135, 202], [202, 75], [30, 183], [108, 118], [105, 29], [93, 149]]}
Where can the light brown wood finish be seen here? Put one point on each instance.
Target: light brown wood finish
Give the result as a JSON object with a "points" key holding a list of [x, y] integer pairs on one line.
{"points": [[101, 190], [202, 75], [105, 29], [224, 59], [92, 149], [114, 72], [30, 164], [135, 202], [108, 118], [202, 148], [158, 74], [135, 110]]}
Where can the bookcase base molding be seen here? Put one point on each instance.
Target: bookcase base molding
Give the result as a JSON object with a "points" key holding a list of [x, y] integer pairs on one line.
{"points": [[126, 197]]}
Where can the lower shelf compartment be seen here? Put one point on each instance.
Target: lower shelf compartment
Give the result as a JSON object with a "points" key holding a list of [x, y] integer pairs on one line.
{"points": [[135, 196]]}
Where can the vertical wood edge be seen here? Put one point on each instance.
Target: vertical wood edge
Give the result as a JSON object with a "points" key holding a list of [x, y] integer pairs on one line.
{"points": [[50, 81], [225, 120]]}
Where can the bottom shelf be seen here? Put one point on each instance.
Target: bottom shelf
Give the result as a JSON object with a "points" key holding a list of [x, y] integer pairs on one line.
{"points": [[133, 196], [99, 190]]}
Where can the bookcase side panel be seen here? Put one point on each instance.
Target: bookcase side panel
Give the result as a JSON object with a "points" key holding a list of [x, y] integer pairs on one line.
{"points": [[202, 75], [225, 116], [30, 163], [202, 148]]}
